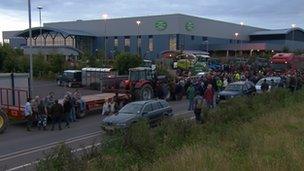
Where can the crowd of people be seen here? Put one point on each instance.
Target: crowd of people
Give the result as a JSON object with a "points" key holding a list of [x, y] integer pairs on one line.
{"points": [[203, 89], [37, 111]]}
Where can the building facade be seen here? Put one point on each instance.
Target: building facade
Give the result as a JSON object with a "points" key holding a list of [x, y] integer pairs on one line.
{"points": [[149, 36]]}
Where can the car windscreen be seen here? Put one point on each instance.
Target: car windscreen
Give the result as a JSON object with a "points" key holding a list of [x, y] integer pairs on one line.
{"points": [[268, 81], [234, 87], [132, 108], [69, 74]]}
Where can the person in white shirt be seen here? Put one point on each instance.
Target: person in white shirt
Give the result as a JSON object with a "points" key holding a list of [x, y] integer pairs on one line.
{"points": [[105, 108], [28, 114]]}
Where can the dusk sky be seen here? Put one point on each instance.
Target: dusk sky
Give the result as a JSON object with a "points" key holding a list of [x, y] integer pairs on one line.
{"points": [[261, 13]]}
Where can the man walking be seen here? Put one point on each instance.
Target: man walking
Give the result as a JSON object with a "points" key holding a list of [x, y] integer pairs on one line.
{"points": [[56, 113], [209, 96], [198, 105], [28, 114], [190, 96], [67, 106]]}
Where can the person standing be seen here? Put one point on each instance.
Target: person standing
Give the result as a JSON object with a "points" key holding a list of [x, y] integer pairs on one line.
{"points": [[265, 86], [209, 96], [34, 104], [56, 113], [198, 105], [190, 96], [67, 106], [42, 117], [28, 114]]}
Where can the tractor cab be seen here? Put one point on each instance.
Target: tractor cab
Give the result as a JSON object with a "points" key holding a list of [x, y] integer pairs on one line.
{"points": [[141, 73]]}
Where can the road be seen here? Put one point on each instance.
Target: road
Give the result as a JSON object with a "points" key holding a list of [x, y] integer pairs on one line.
{"points": [[19, 147]]}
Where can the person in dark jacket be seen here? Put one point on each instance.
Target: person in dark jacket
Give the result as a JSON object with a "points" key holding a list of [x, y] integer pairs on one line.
{"points": [[67, 107], [56, 113], [265, 86]]}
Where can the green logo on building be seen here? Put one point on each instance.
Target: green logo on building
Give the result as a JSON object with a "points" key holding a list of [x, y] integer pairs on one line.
{"points": [[189, 26], [160, 25]]}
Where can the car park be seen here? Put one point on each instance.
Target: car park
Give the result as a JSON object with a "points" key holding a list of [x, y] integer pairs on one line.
{"points": [[273, 82], [236, 89], [152, 110]]}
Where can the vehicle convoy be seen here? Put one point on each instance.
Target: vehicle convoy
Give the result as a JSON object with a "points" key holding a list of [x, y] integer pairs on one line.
{"points": [[287, 63], [152, 110], [236, 89], [143, 83]]}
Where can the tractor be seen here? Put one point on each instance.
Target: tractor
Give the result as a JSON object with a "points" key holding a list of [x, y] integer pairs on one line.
{"points": [[143, 84]]}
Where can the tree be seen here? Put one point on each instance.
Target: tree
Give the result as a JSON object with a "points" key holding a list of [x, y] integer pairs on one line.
{"points": [[124, 61], [57, 63]]}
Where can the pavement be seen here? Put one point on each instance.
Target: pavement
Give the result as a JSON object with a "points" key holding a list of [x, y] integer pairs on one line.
{"points": [[21, 149]]}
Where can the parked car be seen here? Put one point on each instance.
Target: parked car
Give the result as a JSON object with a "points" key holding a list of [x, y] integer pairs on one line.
{"points": [[277, 82], [69, 78], [236, 89], [153, 110]]}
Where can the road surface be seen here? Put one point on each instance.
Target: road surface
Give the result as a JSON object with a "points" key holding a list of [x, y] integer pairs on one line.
{"points": [[19, 148]]}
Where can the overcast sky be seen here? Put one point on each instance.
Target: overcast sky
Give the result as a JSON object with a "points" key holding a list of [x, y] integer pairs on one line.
{"points": [[260, 13]]}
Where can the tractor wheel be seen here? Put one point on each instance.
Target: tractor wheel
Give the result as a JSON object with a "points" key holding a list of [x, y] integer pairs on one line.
{"points": [[146, 92], [3, 121]]}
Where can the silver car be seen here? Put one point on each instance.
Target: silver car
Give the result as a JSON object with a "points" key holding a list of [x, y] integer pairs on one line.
{"points": [[152, 110]]}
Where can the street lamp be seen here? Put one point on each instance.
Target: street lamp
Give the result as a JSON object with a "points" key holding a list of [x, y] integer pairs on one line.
{"points": [[105, 17], [40, 25], [293, 33], [242, 25], [236, 36], [30, 49], [138, 22]]}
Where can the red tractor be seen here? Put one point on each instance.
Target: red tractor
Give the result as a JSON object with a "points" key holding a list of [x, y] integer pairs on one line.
{"points": [[143, 84]]}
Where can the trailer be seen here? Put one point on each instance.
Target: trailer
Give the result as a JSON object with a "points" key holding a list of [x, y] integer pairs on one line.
{"points": [[13, 94]]}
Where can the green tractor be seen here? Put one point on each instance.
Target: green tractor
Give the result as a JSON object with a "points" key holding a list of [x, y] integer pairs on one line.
{"points": [[3, 121]]}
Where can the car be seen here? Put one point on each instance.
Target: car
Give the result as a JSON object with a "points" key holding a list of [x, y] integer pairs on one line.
{"points": [[236, 89], [152, 110], [277, 82], [70, 78]]}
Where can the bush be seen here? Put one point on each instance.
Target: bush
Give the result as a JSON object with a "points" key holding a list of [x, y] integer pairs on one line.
{"points": [[124, 61]]}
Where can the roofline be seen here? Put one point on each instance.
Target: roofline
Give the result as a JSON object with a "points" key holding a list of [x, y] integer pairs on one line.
{"points": [[158, 15]]}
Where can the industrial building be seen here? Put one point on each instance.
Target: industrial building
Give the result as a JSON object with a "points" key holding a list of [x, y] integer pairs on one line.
{"points": [[149, 36]]}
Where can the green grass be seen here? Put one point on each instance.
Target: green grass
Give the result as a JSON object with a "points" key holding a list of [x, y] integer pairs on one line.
{"points": [[250, 133]]}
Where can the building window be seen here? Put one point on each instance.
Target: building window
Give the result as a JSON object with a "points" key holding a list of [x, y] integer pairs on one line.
{"points": [[115, 43], [192, 37], [205, 38], [230, 41], [172, 42], [127, 43], [151, 48]]}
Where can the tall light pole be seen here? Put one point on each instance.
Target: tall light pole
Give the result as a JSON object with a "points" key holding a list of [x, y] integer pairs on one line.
{"points": [[236, 36], [105, 17], [293, 34], [30, 49], [40, 24], [242, 25], [138, 29]]}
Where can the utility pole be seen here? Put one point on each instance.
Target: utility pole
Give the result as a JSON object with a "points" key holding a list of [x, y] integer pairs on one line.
{"points": [[30, 50]]}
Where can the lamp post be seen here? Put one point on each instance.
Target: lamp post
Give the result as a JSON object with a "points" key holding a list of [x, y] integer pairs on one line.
{"points": [[236, 36], [138, 22], [242, 25], [40, 25], [105, 16], [30, 49], [293, 34]]}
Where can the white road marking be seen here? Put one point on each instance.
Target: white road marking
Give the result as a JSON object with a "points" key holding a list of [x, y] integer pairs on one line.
{"points": [[47, 146], [37, 161]]}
